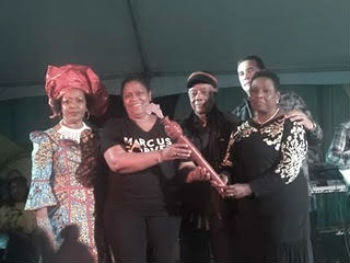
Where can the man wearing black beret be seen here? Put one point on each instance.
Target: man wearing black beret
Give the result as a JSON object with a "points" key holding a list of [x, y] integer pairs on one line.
{"points": [[207, 219]]}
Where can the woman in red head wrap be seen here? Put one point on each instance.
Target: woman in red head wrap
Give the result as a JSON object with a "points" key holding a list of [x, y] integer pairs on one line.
{"points": [[64, 156]]}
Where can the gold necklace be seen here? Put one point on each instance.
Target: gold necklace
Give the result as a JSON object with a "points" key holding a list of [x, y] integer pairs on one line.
{"points": [[270, 118]]}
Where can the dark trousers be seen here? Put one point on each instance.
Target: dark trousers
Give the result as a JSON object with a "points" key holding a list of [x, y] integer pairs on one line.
{"points": [[194, 244], [130, 235], [200, 245]]}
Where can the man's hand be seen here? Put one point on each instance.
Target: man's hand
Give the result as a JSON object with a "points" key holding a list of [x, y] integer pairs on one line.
{"points": [[198, 174], [155, 109]]}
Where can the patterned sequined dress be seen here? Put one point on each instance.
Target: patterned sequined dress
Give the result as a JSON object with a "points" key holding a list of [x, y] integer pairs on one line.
{"points": [[56, 159], [272, 223]]}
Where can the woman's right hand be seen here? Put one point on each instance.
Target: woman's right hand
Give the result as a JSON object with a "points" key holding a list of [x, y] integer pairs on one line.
{"points": [[236, 191], [175, 151]]}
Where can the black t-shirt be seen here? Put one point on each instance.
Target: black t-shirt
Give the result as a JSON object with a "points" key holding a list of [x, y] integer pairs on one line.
{"points": [[151, 191]]}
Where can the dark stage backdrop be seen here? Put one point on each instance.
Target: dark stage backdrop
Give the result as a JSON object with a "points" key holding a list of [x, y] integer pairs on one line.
{"points": [[329, 105]]}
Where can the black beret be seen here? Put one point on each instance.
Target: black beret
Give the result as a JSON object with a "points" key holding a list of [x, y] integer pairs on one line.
{"points": [[201, 77]]}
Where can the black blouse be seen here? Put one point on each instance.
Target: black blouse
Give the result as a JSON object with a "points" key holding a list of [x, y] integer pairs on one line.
{"points": [[269, 158]]}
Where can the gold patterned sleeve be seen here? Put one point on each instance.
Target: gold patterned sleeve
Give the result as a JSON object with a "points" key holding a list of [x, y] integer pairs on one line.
{"points": [[227, 161], [293, 150]]}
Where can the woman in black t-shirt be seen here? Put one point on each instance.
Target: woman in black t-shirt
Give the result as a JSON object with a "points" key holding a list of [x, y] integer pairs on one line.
{"points": [[143, 180]]}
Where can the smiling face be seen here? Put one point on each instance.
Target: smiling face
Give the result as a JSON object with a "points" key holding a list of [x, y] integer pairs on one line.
{"points": [[136, 98], [246, 70], [201, 97], [73, 106], [263, 96]]}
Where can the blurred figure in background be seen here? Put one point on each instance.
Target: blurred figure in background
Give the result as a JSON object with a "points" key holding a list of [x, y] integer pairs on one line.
{"points": [[16, 224], [338, 153]]}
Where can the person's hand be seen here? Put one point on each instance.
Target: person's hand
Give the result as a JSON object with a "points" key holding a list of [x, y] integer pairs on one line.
{"points": [[172, 129], [302, 118], [155, 109], [175, 151], [236, 191], [198, 174]]}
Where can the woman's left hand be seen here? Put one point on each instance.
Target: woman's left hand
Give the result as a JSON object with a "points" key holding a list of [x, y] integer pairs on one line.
{"points": [[300, 117], [236, 191]]}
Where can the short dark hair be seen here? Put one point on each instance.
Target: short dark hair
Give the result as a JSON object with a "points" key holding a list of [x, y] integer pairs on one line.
{"points": [[270, 75], [258, 61], [56, 107], [141, 78]]}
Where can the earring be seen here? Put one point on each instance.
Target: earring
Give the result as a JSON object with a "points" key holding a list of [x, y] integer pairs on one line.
{"points": [[87, 115], [57, 114]]}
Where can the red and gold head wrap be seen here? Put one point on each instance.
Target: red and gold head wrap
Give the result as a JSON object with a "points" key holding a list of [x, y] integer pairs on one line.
{"points": [[61, 79]]}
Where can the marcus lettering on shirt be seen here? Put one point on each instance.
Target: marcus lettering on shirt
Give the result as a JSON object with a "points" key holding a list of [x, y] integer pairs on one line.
{"points": [[142, 145]]}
